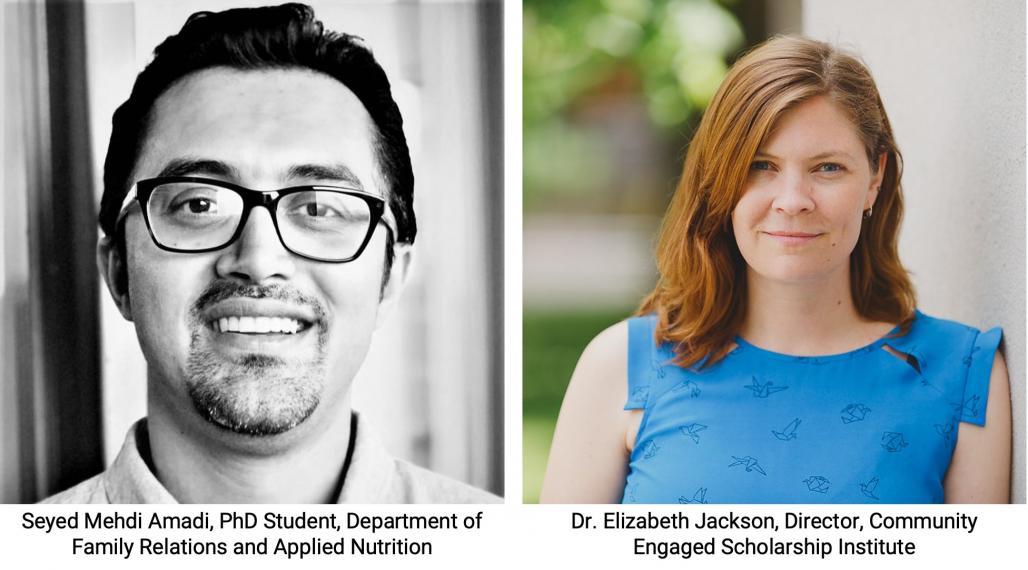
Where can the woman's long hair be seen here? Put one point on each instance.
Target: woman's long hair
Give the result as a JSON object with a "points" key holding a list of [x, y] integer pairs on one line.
{"points": [[700, 297]]}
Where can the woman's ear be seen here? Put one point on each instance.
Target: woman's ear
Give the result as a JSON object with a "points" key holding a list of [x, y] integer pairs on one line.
{"points": [[876, 181], [115, 273]]}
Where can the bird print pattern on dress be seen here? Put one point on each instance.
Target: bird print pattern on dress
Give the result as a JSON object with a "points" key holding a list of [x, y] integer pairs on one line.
{"points": [[691, 388], [789, 431], [698, 498], [650, 450], [692, 431], [817, 484], [854, 413], [765, 389], [749, 462], [868, 488], [821, 415], [893, 442]]}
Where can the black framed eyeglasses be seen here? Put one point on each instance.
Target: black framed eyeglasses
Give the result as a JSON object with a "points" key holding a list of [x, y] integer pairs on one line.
{"points": [[187, 214]]}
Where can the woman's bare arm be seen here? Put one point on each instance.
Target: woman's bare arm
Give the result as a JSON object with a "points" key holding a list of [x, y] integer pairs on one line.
{"points": [[588, 459], [980, 469]]}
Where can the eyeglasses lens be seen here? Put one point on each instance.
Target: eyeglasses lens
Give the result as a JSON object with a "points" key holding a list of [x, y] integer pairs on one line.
{"points": [[326, 224]]}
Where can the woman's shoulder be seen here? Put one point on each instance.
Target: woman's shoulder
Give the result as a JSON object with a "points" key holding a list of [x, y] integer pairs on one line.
{"points": [[614, 343], [616, 360], [588, 452], [609, 344], [961, 354], [954, 354], [930, 325], [604, 360], [946, 336]]}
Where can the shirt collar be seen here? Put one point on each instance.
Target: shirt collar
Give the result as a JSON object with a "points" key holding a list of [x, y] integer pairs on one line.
{"points": [[130, 480]]}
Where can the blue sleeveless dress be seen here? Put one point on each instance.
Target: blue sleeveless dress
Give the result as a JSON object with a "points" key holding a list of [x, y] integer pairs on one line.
{"points": [[762, 427]]}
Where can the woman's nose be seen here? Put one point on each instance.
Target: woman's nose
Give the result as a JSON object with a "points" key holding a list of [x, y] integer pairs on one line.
{"points": [[794, 194]]}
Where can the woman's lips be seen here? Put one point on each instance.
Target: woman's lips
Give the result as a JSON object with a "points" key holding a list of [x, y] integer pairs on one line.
{"points": [[792, 238]]}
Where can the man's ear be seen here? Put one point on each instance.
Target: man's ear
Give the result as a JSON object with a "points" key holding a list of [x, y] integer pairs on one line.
{"points": [[115, 272], [397, 279]]}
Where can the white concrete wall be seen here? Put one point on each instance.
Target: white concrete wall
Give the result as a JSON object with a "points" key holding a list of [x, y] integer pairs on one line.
{"points": [[952, 76]]}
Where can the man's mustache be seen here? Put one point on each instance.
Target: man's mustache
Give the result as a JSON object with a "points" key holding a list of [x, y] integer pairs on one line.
{"points": [[224, 289]]}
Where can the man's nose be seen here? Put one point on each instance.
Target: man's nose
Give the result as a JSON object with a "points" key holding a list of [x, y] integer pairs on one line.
{"points": [[794, 194], [257, 255]]}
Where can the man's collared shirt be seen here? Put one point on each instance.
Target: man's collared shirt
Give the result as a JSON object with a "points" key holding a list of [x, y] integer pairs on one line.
{"points": [[374, 476]]}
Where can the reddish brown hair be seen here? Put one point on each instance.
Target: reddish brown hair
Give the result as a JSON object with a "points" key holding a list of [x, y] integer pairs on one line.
{"points": [[700, 297]]}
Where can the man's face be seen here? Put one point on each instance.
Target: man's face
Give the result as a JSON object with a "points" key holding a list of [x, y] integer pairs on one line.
{"points": [[264, 130]]}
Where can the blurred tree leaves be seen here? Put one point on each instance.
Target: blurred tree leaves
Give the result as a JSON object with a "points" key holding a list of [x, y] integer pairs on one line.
{"points": [[670, 53]]}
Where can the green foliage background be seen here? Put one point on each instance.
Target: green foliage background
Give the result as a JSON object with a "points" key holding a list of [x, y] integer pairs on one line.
{"points": [[674, 51], [667, 55]]}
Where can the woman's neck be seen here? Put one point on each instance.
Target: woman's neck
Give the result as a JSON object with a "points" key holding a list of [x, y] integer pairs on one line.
{"points": [[806, 318]]}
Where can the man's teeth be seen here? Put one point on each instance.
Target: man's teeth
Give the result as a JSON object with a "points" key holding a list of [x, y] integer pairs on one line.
{"points": [[258, 325]]}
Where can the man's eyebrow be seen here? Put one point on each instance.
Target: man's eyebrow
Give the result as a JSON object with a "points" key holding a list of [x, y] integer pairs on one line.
{"points": [[326, 172], [302, 172], [194, 166]]}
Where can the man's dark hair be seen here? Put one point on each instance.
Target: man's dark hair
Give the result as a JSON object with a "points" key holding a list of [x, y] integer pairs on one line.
{"points": [[273, 37]]}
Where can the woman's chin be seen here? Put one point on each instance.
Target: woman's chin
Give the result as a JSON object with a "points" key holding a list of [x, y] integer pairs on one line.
{"points": [[799, 274]]}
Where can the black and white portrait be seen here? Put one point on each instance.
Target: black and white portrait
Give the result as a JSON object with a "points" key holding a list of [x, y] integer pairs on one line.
{"points": [[252, 254]]}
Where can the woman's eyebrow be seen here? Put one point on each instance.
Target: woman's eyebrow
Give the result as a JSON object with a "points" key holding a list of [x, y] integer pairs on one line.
{"points": [[831, 154], [818, 156], [328, 172]]}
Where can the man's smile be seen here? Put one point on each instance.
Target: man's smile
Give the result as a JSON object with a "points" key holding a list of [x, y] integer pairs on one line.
{"points": [[251, 324], [258, 325]]}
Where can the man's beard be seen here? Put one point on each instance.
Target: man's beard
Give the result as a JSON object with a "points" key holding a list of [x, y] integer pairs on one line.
{"points": [[252, 394]]}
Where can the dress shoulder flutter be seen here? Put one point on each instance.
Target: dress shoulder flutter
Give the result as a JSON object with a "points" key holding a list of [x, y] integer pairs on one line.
{"points": [[867, 426]]}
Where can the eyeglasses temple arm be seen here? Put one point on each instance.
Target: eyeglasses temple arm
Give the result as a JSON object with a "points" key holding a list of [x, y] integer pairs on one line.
{"points": [[125, 204]]}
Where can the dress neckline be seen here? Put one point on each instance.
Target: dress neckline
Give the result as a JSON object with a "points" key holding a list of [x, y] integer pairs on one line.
{"points": [[822, 358]]}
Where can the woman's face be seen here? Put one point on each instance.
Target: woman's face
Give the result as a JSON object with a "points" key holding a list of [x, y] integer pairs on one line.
{"points": [[800, 213]]}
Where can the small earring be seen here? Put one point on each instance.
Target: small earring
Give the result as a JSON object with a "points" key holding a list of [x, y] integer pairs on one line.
{"points": [[870, 209]]}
